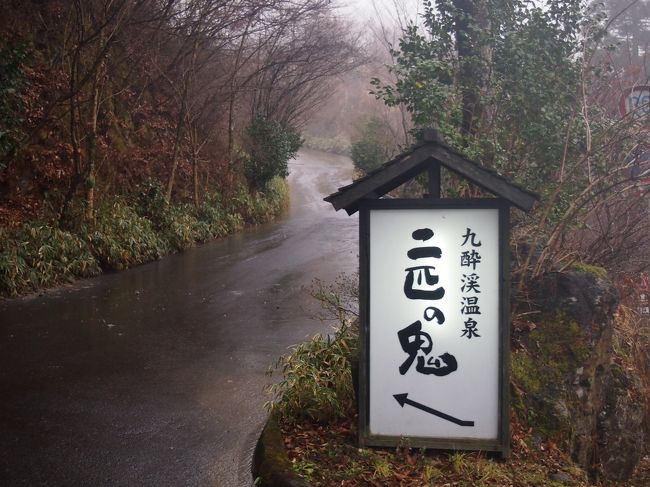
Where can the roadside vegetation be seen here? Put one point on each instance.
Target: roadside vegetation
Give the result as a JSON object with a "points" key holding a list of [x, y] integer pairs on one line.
{"points": [[316, 378], [126, 232], [134, 128]]}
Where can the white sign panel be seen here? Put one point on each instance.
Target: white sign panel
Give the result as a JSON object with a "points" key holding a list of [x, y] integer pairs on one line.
{"points": [[433, 323]]}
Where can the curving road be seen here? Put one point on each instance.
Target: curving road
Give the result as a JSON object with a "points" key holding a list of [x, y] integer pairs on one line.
{"points": [[154, 376]]}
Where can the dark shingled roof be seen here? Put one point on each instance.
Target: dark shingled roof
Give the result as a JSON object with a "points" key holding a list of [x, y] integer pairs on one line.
{"points": [[432, 150]]}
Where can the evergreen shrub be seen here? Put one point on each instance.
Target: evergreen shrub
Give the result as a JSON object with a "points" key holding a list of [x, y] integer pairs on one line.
{"points": [[269, 147], [373, 147]]}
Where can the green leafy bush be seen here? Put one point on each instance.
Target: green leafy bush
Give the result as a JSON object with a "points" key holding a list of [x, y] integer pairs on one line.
{"points": [[373, 147], [40, 255], [213, 214], [276, 195], [226, 215], [151, 203], [120, 238], [270, 203], [184, 229], [240, 203], [269, 145]]}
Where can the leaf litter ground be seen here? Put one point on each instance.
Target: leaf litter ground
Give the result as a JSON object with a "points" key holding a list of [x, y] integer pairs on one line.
{"points": [[327, 455]]}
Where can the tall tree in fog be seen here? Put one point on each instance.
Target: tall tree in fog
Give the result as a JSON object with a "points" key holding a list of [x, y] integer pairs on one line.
{"points": [[511, 84], [630, 26]]}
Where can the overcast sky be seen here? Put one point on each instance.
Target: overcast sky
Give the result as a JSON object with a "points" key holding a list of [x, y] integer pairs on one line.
{"points": [[364, 10]]}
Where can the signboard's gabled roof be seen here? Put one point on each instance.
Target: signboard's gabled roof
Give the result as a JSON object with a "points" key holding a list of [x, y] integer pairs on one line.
{"points": [[432, 150]]}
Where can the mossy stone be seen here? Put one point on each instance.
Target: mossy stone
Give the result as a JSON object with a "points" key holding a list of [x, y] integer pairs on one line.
{"points": [[591, 269]]}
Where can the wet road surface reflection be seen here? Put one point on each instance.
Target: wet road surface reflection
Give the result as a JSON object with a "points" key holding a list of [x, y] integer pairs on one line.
{"points": [[154, 376]]}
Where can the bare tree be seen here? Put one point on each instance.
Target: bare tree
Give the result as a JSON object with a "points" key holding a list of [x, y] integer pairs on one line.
{"points": [[298, 61]]}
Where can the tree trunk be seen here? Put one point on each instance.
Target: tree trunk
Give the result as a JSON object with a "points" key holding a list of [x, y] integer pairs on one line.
{"points": [[175, 150], [471, 23], [231, 128], [181, 119], [233, 94], [74, 140], [195, 179], [92, 148]]}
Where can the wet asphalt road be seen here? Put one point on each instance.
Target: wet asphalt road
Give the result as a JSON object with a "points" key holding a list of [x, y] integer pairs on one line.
{"points": [[155, 376]]}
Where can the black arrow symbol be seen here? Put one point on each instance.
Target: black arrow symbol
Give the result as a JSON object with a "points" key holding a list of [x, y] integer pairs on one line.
{"points": [[403, 399]]}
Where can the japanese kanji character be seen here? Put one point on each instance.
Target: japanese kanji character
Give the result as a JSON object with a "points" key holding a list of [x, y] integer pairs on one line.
{"points": [[470, 306], [470, 283], [413, 341], [471, 236], [470, 329], [426, 272], [468, 259]]}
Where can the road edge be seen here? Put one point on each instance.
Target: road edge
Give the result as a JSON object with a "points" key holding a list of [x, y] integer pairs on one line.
{"points": [[271, 465]]}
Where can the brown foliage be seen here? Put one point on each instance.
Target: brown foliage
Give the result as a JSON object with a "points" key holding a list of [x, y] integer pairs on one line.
{"points": [[120, 92]]}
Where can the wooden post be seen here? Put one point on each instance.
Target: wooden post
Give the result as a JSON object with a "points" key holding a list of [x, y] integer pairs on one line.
{"points": [[434, 181]]}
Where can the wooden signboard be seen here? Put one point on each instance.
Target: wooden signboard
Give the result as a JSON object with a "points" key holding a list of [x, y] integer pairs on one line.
{"points": [[434, 323], [434, 282]]}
